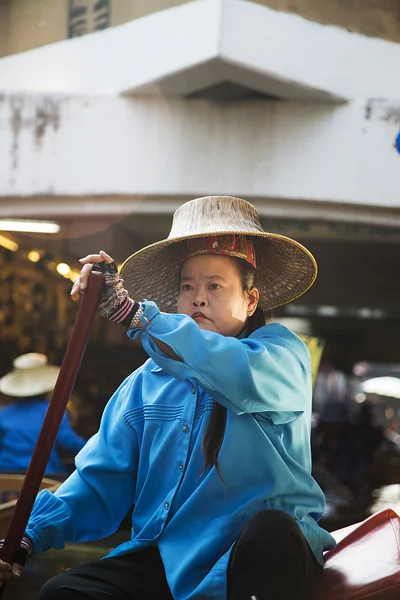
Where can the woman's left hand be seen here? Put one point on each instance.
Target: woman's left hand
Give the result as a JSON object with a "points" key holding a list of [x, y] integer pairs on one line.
{"points": [[80, 284], [115, 304]]}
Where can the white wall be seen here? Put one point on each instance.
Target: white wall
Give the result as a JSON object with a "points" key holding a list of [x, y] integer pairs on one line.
{"points": [[87, 146], [66, 132], [119, 58], [325, 57], [261, 41]]}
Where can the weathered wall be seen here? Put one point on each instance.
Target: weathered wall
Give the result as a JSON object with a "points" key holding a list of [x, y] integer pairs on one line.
{"points": [[199, 46], [143, 147], [123, 11], [4, 16], [27, 24], [380, 18], [35, 23]]}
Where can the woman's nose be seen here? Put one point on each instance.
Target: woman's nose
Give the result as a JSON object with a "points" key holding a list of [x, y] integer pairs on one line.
{"points": [[199, 301]]}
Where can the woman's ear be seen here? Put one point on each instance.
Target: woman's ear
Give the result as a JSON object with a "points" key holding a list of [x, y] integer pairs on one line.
{"points": [[253, 297]]}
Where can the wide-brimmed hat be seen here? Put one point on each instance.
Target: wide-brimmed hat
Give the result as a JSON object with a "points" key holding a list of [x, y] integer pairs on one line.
{"points": [[285, 268], [31, 376]]}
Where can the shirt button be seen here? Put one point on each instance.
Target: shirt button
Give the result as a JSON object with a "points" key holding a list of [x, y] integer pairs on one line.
{"points": [[166, 505], [194, 390], [181, 467], [185, 428]]}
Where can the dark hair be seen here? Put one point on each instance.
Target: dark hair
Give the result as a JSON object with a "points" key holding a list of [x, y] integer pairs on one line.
{"points": [[214, 434]]}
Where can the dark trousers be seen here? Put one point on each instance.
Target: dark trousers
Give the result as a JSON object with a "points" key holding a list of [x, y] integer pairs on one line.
{"points": [[271, 560]]}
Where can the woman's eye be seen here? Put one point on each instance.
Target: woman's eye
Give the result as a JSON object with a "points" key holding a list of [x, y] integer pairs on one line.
{"points": [[185, 287], [214, 286]]}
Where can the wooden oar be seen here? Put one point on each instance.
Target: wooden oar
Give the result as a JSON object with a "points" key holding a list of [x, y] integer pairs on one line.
{"points": [[52, 421]]}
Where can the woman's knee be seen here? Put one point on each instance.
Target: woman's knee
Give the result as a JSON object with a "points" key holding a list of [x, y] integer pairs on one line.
{"points": [[271, 524], [55, 589], [272, 557]]}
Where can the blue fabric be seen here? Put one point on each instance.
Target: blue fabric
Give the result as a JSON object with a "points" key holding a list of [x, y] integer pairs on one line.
{"points": [[397, 142], [148, 452], [20, 424]]}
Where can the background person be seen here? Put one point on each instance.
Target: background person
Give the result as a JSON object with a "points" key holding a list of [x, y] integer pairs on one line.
{"points": [[29, 386]]}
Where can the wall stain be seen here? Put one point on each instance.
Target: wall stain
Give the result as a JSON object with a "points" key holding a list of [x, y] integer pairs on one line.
{"points": [[391, 113], [368, 110], [41, 116], [46, 115], [380, 109], [16, 126]]}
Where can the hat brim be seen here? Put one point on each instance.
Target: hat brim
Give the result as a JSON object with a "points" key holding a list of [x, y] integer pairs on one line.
{"points": [[30, 382], [285, 269]]}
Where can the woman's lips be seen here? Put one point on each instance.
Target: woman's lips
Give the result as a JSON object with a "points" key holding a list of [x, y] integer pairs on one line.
{"points": [[199, 315]]}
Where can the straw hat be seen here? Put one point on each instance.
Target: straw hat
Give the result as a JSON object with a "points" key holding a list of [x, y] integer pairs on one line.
{"points": [[285, 269], [31, 376]]}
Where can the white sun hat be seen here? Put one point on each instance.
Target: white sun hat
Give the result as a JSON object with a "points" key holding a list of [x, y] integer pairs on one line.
{"points": [[31, 376], [285, 268]]}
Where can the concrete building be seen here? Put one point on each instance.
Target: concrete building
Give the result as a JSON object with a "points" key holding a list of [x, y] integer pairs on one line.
{"points": [[114, 113]]}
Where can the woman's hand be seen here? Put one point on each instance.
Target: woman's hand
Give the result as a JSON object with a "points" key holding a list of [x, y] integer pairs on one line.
{"points": [[115, 304], [80, 284], [7, 570]]}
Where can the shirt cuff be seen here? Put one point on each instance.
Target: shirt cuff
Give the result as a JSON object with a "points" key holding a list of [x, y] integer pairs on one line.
{"points": [[150, 310]]}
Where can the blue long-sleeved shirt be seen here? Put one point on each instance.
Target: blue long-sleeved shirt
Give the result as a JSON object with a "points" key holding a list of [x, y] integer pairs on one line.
{"points": [[20, 424], [148, 453]]}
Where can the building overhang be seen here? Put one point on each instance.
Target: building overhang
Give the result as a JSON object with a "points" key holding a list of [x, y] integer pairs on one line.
{"points": [[201, 44], [111, 114]]}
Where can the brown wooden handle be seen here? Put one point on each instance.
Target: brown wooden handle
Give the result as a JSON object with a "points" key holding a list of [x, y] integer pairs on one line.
{"points": [[55, 412]]}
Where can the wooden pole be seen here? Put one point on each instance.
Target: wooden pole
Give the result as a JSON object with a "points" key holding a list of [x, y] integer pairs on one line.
{"points": [[52, 421]]}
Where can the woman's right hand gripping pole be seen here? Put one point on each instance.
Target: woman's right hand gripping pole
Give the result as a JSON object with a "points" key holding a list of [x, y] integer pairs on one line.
{"points": [[7, 570]]}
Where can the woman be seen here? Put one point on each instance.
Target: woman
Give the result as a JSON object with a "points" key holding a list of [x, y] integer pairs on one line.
{"points": [[210, 438]]}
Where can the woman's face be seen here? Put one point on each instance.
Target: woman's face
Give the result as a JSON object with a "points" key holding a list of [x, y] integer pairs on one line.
{"points": [[211, 292]]}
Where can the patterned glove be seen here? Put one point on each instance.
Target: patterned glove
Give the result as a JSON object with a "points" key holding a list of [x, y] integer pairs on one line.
{"points": [[115, 304], [24, 551]]}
